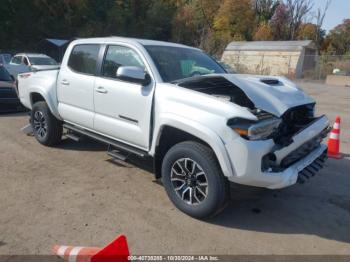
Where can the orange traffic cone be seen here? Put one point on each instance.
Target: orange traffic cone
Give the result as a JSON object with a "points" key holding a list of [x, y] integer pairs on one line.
{"points": [[117, 251], [334, 140]]}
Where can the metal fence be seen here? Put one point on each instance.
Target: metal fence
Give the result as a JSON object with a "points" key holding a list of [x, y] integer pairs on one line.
{"points": [[327, 65], [293, 65]]}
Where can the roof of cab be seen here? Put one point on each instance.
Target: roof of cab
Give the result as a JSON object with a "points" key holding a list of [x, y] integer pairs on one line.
{"points": [[31, 55], [143, 42]]}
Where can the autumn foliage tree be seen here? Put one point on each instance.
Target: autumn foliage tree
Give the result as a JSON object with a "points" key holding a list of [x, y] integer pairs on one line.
{"points": [[212, 24], [339, 39], [307, 31], [207, 24], [265, 9], [279, 22], [237, 26], [193, 23], [263, 33]]}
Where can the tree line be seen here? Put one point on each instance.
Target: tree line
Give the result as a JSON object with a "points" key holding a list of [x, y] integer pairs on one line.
{"points": [[207, 24]]}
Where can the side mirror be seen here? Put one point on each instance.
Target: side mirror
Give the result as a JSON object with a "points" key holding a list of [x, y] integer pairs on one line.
{"points": [[133, 74]]}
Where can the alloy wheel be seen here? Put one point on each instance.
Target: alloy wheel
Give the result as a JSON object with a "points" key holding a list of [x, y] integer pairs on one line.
{"points": [[189, 181], [40, 124]]}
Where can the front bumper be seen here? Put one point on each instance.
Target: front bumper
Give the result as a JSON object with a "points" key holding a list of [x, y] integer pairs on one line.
{"points": [[246, 158]]}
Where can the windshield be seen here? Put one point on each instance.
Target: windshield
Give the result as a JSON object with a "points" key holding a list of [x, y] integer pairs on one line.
{"points": [[174, 63], [42, 61], [6, 58], [4, 75]]}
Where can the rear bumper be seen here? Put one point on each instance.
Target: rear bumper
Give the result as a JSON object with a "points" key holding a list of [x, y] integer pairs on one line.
{"points": [[247, 158]]}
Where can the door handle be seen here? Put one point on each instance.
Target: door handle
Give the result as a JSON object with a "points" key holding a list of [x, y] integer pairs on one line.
{"points": [[65, 82], [101, 90]]}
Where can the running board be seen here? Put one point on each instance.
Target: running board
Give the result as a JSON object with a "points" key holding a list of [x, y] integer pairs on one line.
{"points": [[110, 142], [73, 137], [116, 154]]}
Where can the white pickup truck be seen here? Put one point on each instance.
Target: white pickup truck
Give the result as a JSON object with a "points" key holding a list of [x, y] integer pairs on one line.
{"points": [[202, 126]]}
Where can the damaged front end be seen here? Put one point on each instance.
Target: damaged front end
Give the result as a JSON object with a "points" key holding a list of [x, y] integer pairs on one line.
{"points": [[284, 114], [289, 149], [293, 121], [272, 120], [296, 153]]}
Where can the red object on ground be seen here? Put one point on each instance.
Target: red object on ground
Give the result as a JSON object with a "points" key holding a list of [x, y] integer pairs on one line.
{"points": [[334, 141], [116, 251]]}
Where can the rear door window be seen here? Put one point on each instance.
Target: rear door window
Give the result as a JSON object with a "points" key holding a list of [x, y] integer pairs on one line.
{"points": [[83, 59]]}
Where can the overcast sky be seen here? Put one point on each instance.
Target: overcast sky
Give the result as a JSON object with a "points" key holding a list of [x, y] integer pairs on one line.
{"points": [[337, 12]]}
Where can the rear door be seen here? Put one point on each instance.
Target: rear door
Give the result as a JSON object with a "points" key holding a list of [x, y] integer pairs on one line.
{"points": [[123, 109], [75, 85]]}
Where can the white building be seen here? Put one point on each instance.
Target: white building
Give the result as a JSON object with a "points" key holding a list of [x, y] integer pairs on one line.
{"points": [[289, 58]]}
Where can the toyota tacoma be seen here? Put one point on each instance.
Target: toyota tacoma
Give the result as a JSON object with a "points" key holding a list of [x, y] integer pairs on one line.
{"points": [[203, 128]]}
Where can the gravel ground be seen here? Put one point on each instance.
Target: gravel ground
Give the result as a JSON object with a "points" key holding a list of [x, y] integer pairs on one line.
{"points": [[74, 194]]}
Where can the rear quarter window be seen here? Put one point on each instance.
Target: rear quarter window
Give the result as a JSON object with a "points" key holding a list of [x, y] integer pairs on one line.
{"points": [[83, 59]]}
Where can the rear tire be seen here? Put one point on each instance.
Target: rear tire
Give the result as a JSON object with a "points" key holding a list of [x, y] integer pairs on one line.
{"points": [[194, 181], [47, 128]]}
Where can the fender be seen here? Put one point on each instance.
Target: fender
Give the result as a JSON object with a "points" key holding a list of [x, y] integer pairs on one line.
{"points": [[198, 130], [48, 97]]}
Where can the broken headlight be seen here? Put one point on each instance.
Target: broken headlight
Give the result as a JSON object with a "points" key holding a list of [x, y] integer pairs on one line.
{"points": [[255, 130]]}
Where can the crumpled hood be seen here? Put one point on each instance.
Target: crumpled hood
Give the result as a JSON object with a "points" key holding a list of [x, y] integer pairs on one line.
{"points": [[275, 98]]}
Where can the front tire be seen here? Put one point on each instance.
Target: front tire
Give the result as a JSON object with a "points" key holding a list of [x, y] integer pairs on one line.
{"points": [[194, 181], [47, 128]]}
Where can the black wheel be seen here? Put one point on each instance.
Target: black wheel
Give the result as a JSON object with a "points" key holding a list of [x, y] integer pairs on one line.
{"points": [[47, 128], [194, 181]]}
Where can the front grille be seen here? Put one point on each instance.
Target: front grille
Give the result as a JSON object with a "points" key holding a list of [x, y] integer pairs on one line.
{"points": [[304, 150], [293, 121]]}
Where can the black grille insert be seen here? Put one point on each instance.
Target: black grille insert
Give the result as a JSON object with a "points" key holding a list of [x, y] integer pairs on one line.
{"points": [[304, 150]]}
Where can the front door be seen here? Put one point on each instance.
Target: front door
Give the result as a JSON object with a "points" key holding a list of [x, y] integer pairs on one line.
{"points": [[123, 109], [75, 85]]}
